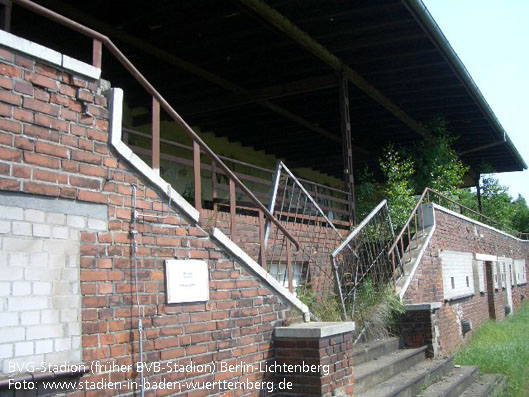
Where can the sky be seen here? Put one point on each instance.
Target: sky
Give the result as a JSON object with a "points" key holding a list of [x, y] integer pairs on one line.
{"points": [[491, 37]]}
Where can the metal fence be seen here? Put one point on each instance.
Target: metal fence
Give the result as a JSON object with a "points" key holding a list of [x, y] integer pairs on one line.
{"points": [[298, 211], [363, 256]]}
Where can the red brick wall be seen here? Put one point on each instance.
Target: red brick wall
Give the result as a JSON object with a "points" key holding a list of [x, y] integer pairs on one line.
{"points": [[54, 142], [457, 234], [333, 353]]}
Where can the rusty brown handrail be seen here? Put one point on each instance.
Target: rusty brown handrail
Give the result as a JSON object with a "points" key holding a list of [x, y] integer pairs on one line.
{"points": [[336, 201], [406, 225], [99, 39], [482, 217], [406, 228]]}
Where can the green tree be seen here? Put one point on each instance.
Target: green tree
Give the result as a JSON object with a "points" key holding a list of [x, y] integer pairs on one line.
{"points": [[437, 164], [368, 194], [399, 191], [520, 218], [496, 201], [498, 204]]}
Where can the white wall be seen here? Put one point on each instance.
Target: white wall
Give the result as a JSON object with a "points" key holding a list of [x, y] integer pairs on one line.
{"points": [[40, 298], [458, 279]]}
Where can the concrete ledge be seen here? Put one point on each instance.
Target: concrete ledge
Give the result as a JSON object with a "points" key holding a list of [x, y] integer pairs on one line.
{"points": [[48, 55], [54, 204], [486, 257], [461, 296], [414, 307], [314, 330]]}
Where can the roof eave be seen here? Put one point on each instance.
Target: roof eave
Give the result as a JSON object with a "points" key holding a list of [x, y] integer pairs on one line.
{"points": [[425, 19]]}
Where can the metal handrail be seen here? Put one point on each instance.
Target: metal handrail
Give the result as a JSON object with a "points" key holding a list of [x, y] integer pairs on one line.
{"points": [[357, 229], [370, 266], [234, 161], [482, 217], [399, 236], [102, 39], [413, 216]]}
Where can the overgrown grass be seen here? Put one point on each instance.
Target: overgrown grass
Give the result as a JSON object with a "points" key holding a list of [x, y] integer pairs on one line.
{"points": [[327, 308], [376, 308], [502, 348]]}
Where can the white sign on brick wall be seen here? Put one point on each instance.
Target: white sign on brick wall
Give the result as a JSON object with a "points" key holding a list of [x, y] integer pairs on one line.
{"points": [[187, 281], [505, 264], [458, 279], [521, 272]]}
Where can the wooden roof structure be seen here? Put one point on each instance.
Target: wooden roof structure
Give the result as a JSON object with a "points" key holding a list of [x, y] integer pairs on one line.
{"points": [[267, 73]]}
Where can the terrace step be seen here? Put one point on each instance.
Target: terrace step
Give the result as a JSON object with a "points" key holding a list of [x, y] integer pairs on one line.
{"points": [[364, 352], [486, 385], [454, 383], [380, 369], [411, 381]]}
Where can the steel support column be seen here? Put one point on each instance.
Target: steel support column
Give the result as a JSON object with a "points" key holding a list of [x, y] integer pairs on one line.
{"points": [[5, 15], [347, 145], [478, 195]]}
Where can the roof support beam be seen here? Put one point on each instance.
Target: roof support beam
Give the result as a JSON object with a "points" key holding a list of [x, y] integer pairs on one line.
{"points": [[292, 31], [347, 141], [303, 86], [480, 148], [172, 59]]}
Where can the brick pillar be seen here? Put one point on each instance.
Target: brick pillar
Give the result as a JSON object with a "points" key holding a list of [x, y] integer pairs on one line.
{"points": [[315, 359]]}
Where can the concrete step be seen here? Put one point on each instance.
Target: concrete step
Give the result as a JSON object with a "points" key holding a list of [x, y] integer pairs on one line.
{"points": [[364, 352], [376, 371], [411, 381], [454, 383], [410, 256], [492, 385]]}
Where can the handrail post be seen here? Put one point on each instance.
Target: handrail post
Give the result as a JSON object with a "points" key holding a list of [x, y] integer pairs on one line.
{"points": [[214, 185], [289, 266], [233, 211], [394, 271], [196, 172], [97, 50], [156, 135], [262, 240], [422, 218]]}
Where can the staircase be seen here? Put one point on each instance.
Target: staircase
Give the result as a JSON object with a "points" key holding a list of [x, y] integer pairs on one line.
{"points": [[411, 259], [381, 369]]}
